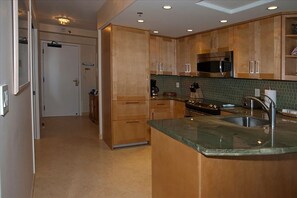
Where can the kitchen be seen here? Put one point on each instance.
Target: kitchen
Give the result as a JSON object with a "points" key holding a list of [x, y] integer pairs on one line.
{"points": [[172, 63], [262, 56]]}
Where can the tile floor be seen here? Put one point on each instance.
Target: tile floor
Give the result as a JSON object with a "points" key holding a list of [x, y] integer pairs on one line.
{"points": [[71, 162]]}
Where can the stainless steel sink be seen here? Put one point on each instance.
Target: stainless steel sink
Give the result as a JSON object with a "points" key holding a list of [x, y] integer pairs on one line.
{"points": [[246, 121]]}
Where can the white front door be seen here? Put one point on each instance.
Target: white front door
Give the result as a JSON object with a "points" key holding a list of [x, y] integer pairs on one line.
{"points": [[60, 80]]}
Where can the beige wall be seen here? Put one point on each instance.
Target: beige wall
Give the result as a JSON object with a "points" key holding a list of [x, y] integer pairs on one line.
{"points": [[16, 161]]}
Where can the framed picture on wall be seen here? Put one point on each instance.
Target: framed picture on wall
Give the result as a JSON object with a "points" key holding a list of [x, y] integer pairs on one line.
{"points": [[21, 44]]}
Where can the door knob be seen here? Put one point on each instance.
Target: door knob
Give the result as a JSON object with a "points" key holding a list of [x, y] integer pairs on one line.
{"points": [[76, 82]]}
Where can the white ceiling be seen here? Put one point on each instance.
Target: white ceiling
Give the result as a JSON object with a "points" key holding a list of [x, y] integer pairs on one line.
{"points": [[184, 14]]}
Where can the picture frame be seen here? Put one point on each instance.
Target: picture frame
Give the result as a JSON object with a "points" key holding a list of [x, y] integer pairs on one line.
{"points": [[21, 44]]}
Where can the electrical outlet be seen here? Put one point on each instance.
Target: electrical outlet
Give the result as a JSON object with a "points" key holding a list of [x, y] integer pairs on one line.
{"points": [[4, 103], [177, 84], [257, 92]]}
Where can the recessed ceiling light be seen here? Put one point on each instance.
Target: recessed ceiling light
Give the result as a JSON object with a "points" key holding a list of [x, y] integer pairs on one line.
{"points": [[272, 7], [156, 32], [140, 21], [189, 30], [167, 7], [223, 21]]}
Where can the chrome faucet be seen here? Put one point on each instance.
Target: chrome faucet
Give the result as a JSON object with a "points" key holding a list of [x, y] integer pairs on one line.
{"points": [[271, 110]]}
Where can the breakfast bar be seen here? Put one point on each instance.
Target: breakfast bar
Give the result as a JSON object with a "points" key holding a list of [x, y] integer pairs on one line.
{"points": [[209, 156]]}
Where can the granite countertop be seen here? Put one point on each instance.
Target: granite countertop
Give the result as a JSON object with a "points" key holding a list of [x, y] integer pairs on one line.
{"points": [[212, 136]]}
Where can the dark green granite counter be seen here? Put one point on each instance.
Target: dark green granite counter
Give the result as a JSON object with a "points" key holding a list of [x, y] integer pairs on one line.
{"points": [[212, 136]]}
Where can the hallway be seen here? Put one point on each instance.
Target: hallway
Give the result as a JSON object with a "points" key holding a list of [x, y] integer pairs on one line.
{"points": [[71, 162]]}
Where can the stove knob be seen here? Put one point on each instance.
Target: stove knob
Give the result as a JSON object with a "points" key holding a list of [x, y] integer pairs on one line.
{"points": [[210, 106], [214, 106]]}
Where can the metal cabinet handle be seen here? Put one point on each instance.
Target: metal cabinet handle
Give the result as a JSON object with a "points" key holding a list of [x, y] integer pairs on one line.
{"points": [[251, 67], [257, 67]]}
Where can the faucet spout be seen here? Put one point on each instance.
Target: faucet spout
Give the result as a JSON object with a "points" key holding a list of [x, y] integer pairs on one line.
{"points": [[271, 110]]}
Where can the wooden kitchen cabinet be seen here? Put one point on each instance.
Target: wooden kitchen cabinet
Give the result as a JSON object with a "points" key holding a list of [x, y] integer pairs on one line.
{"points": [[125, 84], [289, 40], [257, 49], [216, 41], [179, 109], [160, 109], [162, 55], [186, 56]]}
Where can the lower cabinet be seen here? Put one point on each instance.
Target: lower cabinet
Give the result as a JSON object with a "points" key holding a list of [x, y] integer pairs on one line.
{"points": [[179, 109], [129, 132], [160, 109], [129, 123]]}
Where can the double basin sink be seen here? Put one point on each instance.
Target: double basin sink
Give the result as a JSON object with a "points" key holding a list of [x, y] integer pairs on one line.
{"points": [[246, 121]]}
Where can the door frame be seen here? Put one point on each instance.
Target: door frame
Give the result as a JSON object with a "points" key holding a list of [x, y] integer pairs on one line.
{"points": [[42, 74]]}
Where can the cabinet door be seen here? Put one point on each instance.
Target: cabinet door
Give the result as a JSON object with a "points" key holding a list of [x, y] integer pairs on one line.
{"points": [[243, 47], [268, 48], [178, 109], [167, 55], [205, 43], [154, 54], [160, 109], [257, 49], [223, 39], [130, 64], [129, 131]]}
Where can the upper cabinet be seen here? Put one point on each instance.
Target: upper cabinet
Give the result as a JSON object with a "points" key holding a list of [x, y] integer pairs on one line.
{"points": [[130, 58], [162, 55], [289, 40], [186, 50], [215, 41], [257, 49]]}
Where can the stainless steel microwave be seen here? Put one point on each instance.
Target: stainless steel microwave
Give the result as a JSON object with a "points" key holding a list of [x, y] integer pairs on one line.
{"points": [[219, 64]]}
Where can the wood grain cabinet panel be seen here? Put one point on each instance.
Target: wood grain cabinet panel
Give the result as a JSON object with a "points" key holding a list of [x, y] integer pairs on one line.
{"points": [[257, 52], [130, 58], [160, 109], [125, 62], [162, 55], [125, 110], [129, 131]]}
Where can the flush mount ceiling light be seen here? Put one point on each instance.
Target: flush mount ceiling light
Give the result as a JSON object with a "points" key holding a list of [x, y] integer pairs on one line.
{"points": [[167, 7], [156, 32], [63, 20], [272, 8], [223, 21], [189, 30]]}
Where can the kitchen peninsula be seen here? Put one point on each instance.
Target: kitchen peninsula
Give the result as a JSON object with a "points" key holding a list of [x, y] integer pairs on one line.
{"points": [[209, 157]]}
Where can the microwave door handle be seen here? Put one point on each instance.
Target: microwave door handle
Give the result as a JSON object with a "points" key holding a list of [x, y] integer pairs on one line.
{"points": [[221, 68]]}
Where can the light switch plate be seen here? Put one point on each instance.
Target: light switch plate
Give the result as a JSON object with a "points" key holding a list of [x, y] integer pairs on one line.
{"points": [[257, 92], [4, 100], [177, 84]]}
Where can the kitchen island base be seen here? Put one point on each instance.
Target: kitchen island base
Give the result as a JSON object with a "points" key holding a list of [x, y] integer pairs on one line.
{"points": [[180, 171]]}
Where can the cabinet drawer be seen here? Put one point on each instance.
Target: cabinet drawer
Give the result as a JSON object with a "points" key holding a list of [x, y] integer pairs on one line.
{"points": [[127, 110], [129, 131], [159, 103]]}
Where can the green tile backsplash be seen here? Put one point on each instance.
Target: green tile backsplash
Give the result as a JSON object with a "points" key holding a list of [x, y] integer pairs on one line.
{"points": [[231, 90]]}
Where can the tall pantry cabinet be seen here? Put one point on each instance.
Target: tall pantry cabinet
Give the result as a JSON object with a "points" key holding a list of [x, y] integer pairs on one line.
{"points": [[125, 85]]}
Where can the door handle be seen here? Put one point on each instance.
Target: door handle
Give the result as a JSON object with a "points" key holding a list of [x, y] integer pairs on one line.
{"points": [[76, 82]]}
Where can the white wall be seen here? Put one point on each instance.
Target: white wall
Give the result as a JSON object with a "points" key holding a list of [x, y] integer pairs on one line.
{"points": [[16, 163]]}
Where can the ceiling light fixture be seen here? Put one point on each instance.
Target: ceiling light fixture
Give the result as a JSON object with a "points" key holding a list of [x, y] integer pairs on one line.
{"points": [[167, 7], [223, 21], [272, 8], [63, 20], [189, 30], [156, 32], [140, 20]]}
